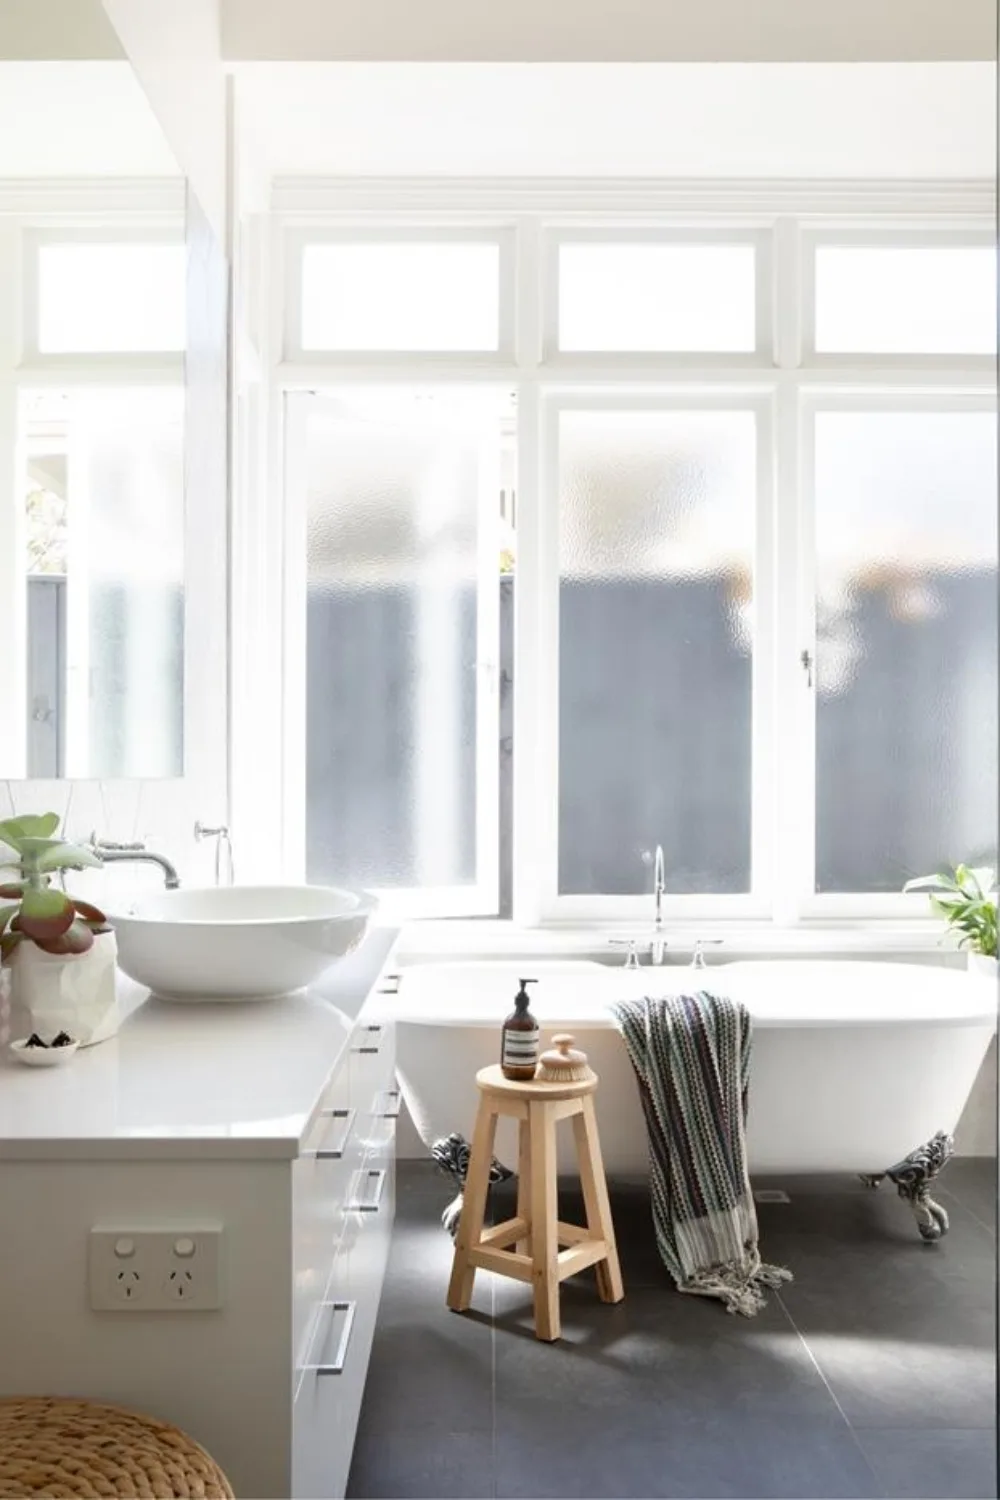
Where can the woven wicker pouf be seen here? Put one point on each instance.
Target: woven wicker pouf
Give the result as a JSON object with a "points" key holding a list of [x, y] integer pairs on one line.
{"points": [[58, 1447]]}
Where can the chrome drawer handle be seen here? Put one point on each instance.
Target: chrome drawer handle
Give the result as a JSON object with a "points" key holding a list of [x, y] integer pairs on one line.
{"points": [[376, 1032], [335, 1153], [370, 1205], [340, 1358], [391, 1103]]}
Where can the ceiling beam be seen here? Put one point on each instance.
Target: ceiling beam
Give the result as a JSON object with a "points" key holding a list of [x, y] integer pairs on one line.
{"points": [[610, 30]]}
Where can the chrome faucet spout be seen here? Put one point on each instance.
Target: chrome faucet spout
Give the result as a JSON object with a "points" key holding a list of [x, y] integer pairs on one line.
{"points": [[110, 853]]}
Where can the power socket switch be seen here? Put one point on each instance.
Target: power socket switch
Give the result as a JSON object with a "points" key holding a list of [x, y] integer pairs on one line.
{"points": [[155, 1270]]}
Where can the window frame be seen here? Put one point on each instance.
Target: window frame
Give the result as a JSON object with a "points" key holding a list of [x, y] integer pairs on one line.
{"points": [[296, 242], [759, 240], [109, 365], [784, 379], [538, 549], [35, 212], [396, 903], [858, 237], [810, 903]]}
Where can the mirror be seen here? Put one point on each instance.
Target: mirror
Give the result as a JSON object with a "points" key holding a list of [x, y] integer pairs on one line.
{"points": [[93, 332]]}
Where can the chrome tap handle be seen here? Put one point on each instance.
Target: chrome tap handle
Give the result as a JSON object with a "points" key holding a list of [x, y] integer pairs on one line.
{"points": [[632, 957], [698, 953], [222, 839]]}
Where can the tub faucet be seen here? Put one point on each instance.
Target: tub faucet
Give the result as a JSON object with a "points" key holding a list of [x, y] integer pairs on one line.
{"points": [[109, 852], [698, 951], [659, 884]]}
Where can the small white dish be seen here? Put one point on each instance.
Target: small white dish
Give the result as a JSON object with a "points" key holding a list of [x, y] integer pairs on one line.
{"points": [[42, 1057]]}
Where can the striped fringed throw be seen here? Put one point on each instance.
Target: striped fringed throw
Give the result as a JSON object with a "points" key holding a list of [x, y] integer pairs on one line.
{"points": [[691, 1056]]}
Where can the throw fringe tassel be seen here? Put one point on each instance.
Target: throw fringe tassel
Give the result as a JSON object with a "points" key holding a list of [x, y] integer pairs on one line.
{"points": [[740, 1288]]}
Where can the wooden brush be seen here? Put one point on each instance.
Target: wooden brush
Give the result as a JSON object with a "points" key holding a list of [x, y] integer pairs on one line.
{"points": [[563, 1063]]}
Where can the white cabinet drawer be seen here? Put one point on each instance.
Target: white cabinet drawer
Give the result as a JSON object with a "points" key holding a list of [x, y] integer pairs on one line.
{"points": [[373, 1083], [322, 1180], [322, 1440], [331, 1381]]}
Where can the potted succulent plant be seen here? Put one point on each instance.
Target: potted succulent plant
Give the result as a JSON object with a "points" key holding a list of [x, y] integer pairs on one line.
{"points": [[59, 952], [967, 900]]}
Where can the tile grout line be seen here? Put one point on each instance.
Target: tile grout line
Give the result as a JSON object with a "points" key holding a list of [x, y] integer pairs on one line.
{"points": [[493, 1386], [831, 1392], [991, 1229]]}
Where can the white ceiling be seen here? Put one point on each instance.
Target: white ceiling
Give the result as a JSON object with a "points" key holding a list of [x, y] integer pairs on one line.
{"points": [[78, 119], [835, 120]]}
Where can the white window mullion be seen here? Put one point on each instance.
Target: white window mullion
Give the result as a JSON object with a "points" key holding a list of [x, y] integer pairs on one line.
{"points": [[792, 763], [488, 681], [294, 642], [766, 637], [535, 636], [799, 682]]}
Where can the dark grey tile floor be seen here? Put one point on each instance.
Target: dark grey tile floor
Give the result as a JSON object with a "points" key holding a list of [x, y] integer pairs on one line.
{"points": [[871, 1375]]}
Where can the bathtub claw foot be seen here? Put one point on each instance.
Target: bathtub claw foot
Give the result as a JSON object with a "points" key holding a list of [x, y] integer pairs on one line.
{"points": [[451, 1154], [913, 1176]]}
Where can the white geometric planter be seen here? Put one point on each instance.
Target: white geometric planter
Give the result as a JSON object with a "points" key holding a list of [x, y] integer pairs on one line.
{"points": [[50, 993], [979, 963]]}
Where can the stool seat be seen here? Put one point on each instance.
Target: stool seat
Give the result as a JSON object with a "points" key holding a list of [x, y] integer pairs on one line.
{"points": [[535, 1245], [60, 1447], [491, 1080]]}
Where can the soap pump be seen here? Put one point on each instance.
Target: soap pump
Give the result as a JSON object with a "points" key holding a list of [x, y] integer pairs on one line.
{"points": [[519, 1038]]}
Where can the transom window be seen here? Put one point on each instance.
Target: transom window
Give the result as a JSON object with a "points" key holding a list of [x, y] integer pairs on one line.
{"points": [[88, 295], [675, 535]]}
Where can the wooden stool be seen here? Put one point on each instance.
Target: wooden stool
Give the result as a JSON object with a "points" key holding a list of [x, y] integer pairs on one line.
{"points": [[50, 1445], [535, 1231]]}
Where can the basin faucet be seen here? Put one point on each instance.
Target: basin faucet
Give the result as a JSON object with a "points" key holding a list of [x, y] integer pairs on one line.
{"points": [[110, 853]]}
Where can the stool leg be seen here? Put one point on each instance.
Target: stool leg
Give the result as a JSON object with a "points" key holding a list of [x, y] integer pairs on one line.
{"points": [[523, 1209], [470, 1225], [595, 1198], [544, 1215]]}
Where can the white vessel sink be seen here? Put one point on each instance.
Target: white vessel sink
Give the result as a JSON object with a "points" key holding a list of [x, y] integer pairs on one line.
{"points": [[238, 942]]}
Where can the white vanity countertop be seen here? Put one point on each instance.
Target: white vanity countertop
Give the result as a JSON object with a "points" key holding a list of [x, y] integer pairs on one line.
{"points": [[192, 1081]]}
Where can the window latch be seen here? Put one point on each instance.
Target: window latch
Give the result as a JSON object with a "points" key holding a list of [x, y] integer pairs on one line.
{"points": [[807, 666]]}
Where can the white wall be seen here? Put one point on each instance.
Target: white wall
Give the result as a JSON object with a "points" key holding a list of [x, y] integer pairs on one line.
{"points": [[51, 126], [611, 30], [879, 120]]}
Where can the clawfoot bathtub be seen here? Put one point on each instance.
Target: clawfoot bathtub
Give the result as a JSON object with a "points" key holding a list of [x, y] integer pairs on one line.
{"points": [[858, 1067]]}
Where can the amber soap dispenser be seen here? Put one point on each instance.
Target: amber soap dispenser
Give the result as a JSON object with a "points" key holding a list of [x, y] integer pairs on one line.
{"points": [[519, 1038]]}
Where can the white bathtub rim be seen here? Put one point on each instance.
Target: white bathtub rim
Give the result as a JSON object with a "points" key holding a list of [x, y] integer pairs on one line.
{"points": [[440, 994]]}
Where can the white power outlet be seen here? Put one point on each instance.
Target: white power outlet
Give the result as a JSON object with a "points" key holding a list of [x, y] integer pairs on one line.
{"points": [[155, 1270]]}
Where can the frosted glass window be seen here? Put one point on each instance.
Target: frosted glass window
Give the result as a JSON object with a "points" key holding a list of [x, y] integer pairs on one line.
{"points": [[393, 607], [648, 298], [906, 658], [105, 582], [111, 298], [415, 297], [656, 598], [892, 299]]}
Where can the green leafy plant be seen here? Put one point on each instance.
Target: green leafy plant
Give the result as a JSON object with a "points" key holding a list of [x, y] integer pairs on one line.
{"points": [[967, 900], [35, 912]]}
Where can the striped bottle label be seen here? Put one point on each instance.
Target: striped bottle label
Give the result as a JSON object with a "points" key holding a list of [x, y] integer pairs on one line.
{"points": [[520, 1048]]}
